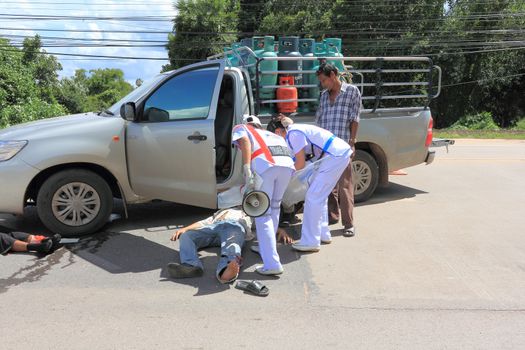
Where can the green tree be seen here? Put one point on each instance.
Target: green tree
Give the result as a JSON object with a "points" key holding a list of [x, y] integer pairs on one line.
{"points": [[73, 94], [103, 87], [308, 17], [251, 13], [386, 28], [23, 96], [202, 28], [44, 67], [483, 78]]}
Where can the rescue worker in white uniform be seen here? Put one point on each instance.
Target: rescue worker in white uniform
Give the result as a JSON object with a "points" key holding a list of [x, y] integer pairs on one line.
{"points": [[310, 142], [268, 156]]}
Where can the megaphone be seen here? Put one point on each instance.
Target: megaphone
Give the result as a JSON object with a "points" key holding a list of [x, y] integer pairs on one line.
{"points": [[255, 203]]}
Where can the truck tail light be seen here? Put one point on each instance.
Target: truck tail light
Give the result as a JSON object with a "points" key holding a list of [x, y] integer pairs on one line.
{"points": [[428, 141]]}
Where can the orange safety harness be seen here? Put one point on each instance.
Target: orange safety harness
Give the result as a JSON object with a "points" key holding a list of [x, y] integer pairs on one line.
{"points": [[263, 148]]}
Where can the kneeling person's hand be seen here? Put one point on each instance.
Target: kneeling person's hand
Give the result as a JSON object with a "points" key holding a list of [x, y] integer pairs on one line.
{"points": [[284, 237]]}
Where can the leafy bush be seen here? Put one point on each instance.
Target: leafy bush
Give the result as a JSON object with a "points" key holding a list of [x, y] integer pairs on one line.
{"points": [[520, 125], [480, 121], [33, 109]]}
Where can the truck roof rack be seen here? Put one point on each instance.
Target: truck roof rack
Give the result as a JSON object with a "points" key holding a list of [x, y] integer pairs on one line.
{"points": [[377, 83]]}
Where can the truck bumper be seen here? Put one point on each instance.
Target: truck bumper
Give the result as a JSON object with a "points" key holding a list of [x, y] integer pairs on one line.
{"points": [[430, 157], [15, 177]]}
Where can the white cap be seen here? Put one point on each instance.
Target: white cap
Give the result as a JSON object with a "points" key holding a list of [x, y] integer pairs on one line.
{"points": [[286, 121], [251, 119]]}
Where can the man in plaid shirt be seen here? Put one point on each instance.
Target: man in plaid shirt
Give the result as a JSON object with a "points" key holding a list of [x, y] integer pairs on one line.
{"points": [[338, 112]]}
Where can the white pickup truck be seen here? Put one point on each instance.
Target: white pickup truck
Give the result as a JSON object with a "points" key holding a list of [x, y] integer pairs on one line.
{"points": [[170, 139]]}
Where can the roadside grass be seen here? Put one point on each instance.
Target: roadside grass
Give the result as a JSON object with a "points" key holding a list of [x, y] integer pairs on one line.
{"points": [[480, 134]]}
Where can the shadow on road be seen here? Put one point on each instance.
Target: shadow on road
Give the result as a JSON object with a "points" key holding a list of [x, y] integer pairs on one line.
{"points": [[150, 217], [393, 192], [121, 252]]}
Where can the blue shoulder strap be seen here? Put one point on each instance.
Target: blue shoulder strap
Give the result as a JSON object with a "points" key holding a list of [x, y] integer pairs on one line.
{"points": [[328, 143]]}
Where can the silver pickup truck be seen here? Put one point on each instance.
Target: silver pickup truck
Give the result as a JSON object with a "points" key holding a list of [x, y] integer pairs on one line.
{"points": [[170, 139]]}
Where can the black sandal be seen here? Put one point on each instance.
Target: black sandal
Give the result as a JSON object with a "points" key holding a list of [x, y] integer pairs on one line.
{"points": [[253, 287]]}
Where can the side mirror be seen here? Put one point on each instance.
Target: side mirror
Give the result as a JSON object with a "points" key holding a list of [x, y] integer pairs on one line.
{"points": [[128, 111], [154, 114]]}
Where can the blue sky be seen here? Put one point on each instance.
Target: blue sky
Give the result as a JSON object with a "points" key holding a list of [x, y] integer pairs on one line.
{"points": [[133, 69]]}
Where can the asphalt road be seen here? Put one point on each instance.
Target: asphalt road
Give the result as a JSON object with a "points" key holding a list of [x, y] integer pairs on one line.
{"points": [[438, 263]]}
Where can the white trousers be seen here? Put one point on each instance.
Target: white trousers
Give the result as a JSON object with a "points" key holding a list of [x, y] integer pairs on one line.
{"points": [[275, 181], [315, 218]]}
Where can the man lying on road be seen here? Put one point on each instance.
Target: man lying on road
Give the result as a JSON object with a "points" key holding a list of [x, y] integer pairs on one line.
{"points": [[24, 242], [227, 229]]}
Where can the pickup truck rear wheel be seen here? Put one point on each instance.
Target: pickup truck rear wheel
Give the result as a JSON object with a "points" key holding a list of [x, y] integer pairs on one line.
{"points": [[74, 202], [365, 175]]}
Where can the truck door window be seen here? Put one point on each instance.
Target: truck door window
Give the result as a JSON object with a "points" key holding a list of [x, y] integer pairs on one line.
{"points": [[185, 96]]}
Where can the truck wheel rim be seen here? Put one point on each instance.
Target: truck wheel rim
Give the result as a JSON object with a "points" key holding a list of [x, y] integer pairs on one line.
{"points": [[361, 176], [76, 204]]}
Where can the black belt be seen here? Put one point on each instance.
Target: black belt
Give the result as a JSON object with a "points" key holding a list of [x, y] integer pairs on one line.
{"points": [[280, 151]]}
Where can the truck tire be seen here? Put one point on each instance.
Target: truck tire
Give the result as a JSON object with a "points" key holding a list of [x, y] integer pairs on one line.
{"points": [[365, 175], [74, 202]]}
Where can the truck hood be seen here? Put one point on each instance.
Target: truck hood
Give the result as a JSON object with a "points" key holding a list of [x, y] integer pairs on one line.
{"points": [[65, 125]]}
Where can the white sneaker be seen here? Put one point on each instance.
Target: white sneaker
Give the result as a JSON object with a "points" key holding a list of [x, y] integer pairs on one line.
{"points": [[262, 271], [305, 248], [326, 241]]}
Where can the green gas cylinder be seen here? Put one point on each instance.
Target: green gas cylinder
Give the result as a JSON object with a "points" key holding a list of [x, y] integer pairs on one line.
{"points": [[268, 79], [333, 49], [320, 49], [247, 57], [306, 48], [234, 59], [289, 47], [258, 45], [247, 42]]}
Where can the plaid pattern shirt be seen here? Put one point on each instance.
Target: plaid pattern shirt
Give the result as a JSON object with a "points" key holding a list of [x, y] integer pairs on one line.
{"points": [[338, 117]]}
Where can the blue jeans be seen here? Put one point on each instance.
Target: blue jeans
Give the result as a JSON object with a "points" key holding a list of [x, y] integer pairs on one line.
{"points": [[226, 235]]}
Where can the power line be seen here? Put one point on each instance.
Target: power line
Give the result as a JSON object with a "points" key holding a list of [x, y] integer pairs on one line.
{"points": [[124, 3], [471, 52], [101, 46], [170, 19], [80, 39], [372, 31], [102, 56], [201, 59], [88, 9], [85, 18], [482, 80], [84, 30], [355, 46], [471, 17], [422, 34]]}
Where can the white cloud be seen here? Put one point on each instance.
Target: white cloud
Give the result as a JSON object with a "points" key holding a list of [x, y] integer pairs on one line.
{"points": [[133, 69]]}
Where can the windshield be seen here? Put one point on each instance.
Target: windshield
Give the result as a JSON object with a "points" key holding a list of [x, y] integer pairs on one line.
{"points": [[134, 95]]}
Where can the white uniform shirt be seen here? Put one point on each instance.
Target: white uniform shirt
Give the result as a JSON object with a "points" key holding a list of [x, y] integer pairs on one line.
{"points": [[304, 136], [260, 164]]}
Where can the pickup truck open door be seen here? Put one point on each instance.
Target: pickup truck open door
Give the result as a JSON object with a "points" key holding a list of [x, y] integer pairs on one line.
{"points": [[171, 149]]}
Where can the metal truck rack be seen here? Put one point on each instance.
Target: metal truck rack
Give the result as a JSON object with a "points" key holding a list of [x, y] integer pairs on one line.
{"points": [[429, 88]]}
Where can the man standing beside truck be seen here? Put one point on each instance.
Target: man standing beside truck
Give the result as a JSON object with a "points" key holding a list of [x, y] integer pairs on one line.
{"points": [[338, 112]]}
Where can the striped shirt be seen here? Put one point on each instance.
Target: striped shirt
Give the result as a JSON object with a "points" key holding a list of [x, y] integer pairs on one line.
{"points": [[338, 117]]}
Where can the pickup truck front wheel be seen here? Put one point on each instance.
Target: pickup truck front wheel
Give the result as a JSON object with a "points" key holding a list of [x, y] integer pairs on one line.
{"points": [[365, 175], [74, 202]]}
